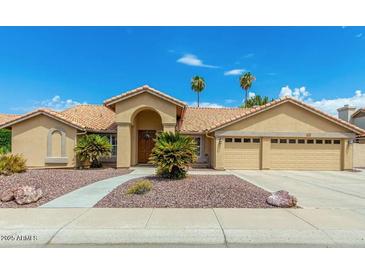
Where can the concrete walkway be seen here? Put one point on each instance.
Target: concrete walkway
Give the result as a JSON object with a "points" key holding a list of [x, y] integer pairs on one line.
{"points": [[89, 195], [46, 227]]}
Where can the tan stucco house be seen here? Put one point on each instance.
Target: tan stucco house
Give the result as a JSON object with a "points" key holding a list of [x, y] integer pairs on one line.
{"points": [[283, 134]]}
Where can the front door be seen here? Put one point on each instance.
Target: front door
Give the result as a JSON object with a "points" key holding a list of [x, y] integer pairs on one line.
{"points": [[145, 144]]}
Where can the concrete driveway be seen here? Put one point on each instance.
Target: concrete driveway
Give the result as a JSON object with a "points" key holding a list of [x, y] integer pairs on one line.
{"points": [[314, 189]]}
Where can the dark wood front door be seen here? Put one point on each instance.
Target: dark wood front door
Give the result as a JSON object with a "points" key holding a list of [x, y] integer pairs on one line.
{"points": [[145, 144]]}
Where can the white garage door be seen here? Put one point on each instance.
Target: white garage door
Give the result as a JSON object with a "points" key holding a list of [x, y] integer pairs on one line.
{"points": [[242, 153], [305, 154]]}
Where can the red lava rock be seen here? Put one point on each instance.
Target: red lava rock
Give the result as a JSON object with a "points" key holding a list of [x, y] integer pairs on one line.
{"points": [[27, 194], [282, 198], [53, 182], [195, 191]]}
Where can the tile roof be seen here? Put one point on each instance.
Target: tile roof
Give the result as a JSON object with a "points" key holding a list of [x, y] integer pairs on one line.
{"points": [[84, 117], [4, 118], [358, 111], [139, 90], [91, 117], [200, 119]]}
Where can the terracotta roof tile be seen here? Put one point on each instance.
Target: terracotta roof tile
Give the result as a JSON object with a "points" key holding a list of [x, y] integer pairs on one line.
{"points": [[4, 118], [91, 117], [200, 119]]}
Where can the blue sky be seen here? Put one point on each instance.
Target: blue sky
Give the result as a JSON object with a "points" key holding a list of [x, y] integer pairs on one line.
{"points": [[60, 66]]}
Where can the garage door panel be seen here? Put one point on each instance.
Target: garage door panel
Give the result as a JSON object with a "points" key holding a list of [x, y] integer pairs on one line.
{"points": [[305, 156], [242, 156]]}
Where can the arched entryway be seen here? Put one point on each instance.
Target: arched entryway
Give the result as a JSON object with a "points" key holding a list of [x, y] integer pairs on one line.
{"points": [[147, 123]]}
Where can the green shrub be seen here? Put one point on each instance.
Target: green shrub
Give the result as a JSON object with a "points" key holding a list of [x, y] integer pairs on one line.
{"points": [[5, 140], [12, 163], [173, 154], [90, 148], [140, 187]]}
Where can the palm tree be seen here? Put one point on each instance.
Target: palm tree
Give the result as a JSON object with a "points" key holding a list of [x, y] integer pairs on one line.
{"points": [[257, 100], [198, 85], [246, 81]]}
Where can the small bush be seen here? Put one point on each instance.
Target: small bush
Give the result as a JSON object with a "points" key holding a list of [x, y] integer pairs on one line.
{"points": [[5, 140], [12, 163], [140, 187]]}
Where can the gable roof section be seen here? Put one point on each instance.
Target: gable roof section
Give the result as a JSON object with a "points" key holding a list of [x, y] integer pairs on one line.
{"points": [[47, 112], [143, 89], [4, 118], [95, 118], [257, 110]]}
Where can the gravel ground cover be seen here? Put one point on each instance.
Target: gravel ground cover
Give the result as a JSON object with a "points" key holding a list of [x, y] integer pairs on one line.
{"points": [[196, 191], [55, 182]]}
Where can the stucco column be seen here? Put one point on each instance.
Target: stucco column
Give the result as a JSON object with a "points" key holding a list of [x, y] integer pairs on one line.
{"points": [[346, 155], [124, 145], [219, 153], [265, 153], [170, 127]]}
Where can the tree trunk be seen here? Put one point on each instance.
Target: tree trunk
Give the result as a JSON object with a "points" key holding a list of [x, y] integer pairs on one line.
{"points": [[198, 99], [246, 99]]}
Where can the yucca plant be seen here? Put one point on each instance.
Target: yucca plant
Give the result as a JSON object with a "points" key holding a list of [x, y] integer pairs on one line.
{"points": [[173, 154], [12, 163], [90, 148]]}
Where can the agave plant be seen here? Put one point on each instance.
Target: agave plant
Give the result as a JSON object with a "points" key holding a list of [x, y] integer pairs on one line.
{"points": [[90, 148], [173, 154]]}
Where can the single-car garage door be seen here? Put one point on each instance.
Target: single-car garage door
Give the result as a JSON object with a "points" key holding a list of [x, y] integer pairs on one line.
{"points": [[242, 153], [305, 154]]}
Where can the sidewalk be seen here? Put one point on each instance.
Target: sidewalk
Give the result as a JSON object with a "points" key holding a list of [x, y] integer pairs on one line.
{"points": [[46, 227]]}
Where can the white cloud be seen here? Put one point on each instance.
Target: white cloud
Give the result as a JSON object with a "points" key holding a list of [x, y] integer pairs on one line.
{"points": [[329, 106], [234, 72], [298, 93], [359, 35], [230, 101], [251, 94], [206, 105], [249, 55], [193, 60], [55, 103]]}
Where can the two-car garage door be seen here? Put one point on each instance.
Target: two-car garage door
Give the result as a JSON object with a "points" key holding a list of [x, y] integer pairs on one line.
{"points": [[284, 154]]}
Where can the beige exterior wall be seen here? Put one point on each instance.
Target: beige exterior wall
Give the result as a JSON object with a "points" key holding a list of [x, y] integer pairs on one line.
{"points": [[30, 138], [359, 155], [157, 114], [286, 118]]}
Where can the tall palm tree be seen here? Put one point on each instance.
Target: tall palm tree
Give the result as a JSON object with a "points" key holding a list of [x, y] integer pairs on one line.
{"points": [[246, 81], [198, 85]]}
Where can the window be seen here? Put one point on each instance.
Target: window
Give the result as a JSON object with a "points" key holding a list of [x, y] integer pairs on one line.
{"points": [[237, 140], [292, 141], [337, 142], [319, 141], [301, 141], [274, 141], [198, 145], [113, 141], [228, 140], [283, 141], [328, 142], [256, 140], [247, 140], [310, 141]]}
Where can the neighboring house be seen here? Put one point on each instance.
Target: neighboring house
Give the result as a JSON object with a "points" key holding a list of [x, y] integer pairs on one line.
{"points": [[283, 134], [357, 118]]}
